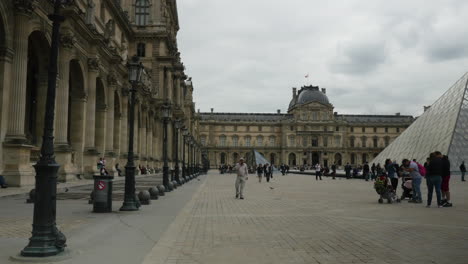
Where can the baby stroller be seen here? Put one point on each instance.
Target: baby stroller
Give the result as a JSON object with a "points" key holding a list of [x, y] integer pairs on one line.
{"points": [[406, 185], [383, 187]]}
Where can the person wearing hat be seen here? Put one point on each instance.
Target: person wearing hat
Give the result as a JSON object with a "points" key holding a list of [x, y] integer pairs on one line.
{"points": [[242, 176]]}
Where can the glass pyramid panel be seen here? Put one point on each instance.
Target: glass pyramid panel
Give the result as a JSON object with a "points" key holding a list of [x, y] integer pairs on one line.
{"points": [[435, 130]]}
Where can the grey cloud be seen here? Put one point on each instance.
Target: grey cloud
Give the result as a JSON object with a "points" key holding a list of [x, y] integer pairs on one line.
{"points": [[359, 58], [373, 56]]}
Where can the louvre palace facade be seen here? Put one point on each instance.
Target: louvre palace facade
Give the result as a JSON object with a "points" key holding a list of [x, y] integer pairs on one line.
{"points": [[91, 119], [310, 133]]}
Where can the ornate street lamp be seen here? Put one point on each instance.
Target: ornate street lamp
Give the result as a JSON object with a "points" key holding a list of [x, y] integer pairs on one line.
{"points": [[184, 142], [167, 114], [178, 125], [46, 239], [135, 69]]}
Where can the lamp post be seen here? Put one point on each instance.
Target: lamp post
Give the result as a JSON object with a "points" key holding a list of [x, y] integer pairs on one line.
{"points": [[192, 148], [135, 69], [178, 125], [184, 141], [167, 113], [46, 239]]}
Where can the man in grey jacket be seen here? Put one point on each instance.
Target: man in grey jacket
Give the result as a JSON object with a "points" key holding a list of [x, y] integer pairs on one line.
{"points": [[242, 176]]}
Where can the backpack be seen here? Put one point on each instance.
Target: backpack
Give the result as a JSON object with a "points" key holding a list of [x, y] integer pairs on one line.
{"points": [[422, 169]]}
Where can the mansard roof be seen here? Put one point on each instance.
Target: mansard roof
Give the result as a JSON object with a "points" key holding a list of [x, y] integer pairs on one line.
{"points": [[244, 117], [369, 119]]}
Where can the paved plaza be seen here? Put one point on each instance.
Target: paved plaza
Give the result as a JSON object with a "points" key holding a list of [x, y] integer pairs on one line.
{"points": [[296, 219], [293, 219]]}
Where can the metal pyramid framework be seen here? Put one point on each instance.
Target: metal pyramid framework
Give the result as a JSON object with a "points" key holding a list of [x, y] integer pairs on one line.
{"points": [[443, 127]]}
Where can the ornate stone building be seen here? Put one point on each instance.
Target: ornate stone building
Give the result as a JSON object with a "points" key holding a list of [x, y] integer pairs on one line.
{"points": [[91, 121], [309, 133]]}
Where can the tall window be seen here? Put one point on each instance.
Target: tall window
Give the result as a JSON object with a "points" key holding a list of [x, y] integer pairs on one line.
{"points": [[337, 141], [375, 130], [247, 141], [292, 141], [272, 141], [376, 143], [398, 130], [260, 141], [352, 129], [222, 141], [142, 12], [364, 142], [259, 128], [203, 140], [363, 129], [141, 50], [314, 141], [387, 141], [353, 158], [351, 142], [325, 141], [235, 141]]}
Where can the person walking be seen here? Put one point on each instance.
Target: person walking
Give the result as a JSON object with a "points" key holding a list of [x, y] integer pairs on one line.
{"points": [[416, 178], [463, 170], [318, 172], [445, 183], [334, 171], [259, 172], [348, 170], [242, 177], [267, 172], [392, 174], [434, 172], [365, 171]]}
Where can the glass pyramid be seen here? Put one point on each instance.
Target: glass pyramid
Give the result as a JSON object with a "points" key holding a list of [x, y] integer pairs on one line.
{"points": [[443, 127]]}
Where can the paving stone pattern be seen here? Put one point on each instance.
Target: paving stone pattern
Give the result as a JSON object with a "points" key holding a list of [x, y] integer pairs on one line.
{"points": [[296, 219]]}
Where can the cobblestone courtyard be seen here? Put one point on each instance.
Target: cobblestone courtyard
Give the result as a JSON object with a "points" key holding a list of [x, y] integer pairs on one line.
{"points": [[296, 219]]}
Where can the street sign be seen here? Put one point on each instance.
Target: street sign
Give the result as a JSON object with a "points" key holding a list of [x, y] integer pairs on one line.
{"points": [[101, 185]]}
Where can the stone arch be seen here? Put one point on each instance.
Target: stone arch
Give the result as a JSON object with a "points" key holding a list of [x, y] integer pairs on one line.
{"points": [[100, 116], [36, 86], [292, 159]]}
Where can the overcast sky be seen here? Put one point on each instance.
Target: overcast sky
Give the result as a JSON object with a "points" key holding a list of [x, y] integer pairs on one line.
{"points": [[373, 56]]}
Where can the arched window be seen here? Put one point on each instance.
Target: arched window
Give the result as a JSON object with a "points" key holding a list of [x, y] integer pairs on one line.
{"points": [[142, 12]]}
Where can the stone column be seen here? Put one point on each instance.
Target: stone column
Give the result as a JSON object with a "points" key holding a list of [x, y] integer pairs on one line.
{"points": [[149, 143], [124, 129], [19, 69], [109, 129], [92, 156], [93, 67], [111, 83], [61, 103]]}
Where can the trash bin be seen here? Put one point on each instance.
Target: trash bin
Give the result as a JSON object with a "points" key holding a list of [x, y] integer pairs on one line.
{"points": [[102, 202]]}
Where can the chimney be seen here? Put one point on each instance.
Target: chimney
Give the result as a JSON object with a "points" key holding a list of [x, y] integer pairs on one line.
{"points": [[212, 110], [426, 108], [294, 92], [324, 90], [278, 111], [397, 114]]}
